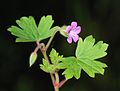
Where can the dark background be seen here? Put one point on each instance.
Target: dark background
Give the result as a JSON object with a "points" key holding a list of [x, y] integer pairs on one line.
{"points": [[101, 18]]}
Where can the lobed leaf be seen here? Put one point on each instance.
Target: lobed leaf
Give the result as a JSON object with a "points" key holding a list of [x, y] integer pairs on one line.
{"points": [[44, 27], [29, 32], [87, 52], [54, 56], [49, 68], [87, 49], [55, 62]]}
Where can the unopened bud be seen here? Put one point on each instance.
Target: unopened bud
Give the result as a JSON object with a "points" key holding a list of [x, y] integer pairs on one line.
{"points": [[63, 31], [33, 58]]}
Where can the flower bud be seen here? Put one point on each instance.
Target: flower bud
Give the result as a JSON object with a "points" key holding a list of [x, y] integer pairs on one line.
{"points": [[33, 58], [63, 31]]}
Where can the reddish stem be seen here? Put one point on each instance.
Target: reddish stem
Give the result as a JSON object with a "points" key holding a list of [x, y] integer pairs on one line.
{"points": [[62, 83]]}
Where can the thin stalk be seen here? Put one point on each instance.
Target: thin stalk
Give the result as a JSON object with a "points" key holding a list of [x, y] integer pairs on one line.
{"points": [[56, 89], [37, 47], [57, 77], [51, 75], [52, 78], [57, 81], [51, 38], [62, 83]]}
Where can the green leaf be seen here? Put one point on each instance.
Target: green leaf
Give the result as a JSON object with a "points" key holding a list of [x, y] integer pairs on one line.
{"points": [[54, 56], [32, 59], [71, 67], [91, 67], [55, 62], [29, 26], [29, 32], [87, 49], [47, 67], [22, 40], [44, 27], [87, 53]]}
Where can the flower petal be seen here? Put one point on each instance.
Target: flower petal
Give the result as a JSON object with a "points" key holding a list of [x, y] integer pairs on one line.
{"points": [[75, 38], [72, 33], [74, 24], [77, 30], [69, 39], [68, 29]]}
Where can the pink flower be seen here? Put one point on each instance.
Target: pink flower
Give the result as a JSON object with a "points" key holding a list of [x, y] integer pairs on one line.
{"points": [[72, 31]]}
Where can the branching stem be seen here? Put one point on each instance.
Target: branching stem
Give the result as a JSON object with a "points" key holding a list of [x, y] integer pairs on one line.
{"points": [[62, 83], [43, 48]]}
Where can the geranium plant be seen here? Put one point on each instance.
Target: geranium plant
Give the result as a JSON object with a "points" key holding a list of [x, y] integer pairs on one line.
{"points": [[86, 56]]}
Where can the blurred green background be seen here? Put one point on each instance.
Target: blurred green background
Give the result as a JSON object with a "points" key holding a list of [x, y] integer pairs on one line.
{"points": [[101, 18]]}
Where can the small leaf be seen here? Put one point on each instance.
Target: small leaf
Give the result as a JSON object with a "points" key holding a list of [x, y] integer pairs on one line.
{"points": [[54, 56], [47, 67], [71, 68], [32, 59], [55, 62]]}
